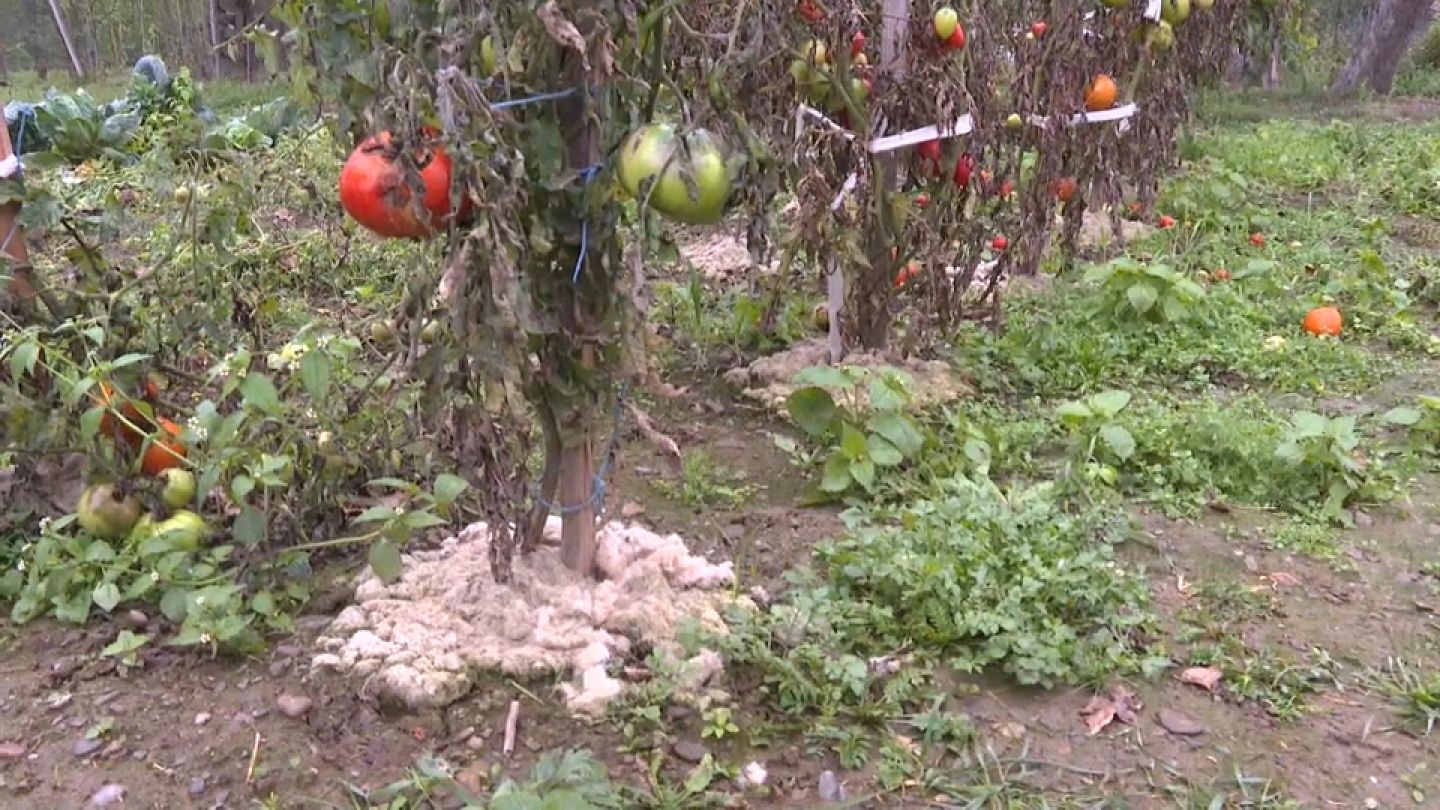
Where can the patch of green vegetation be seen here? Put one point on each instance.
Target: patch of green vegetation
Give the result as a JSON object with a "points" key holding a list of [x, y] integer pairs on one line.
{"points": [[1414, 694], [1273, 680], [703, 482]]}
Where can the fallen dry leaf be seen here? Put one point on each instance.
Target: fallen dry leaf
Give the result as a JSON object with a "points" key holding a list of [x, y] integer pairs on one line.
{"points": [[1280, 579], [1102, 710], [1098, 714], [1206, 678], [1127, 705], [1181, 585], [660, 440]]}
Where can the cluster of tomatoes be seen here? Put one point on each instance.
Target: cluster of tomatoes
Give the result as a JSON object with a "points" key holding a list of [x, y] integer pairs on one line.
{"points": [[112, 511], [135, 427]]}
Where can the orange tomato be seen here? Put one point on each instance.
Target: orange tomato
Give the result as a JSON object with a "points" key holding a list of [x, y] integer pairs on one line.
{"points": [[132, 425], [165, 450], [908, 272], [1101, 94], [374, 190], [1324, 321], [1065, 189], [1222, 275]]}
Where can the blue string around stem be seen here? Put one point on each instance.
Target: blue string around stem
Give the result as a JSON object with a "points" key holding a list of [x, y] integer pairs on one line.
{"points": [[587, 175], [535, 99], [19, 145], [597, 494]]}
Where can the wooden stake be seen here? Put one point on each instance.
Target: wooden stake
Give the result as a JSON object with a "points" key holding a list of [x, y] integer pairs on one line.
{"points": [[22, 288], [65, 37], [579, 126]]}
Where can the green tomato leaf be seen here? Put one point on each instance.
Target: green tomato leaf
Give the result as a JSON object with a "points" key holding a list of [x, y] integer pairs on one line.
{"points": [[1405, 417], [106, 596], [250, 529], [448, 488], [852, 442], [259, 393], [315, 374], [1142, 296], [836, 477], [1109, 403], [812, 409], [384, 560], [882, 452], [899, 431], [23, 359], [864, 473], [1119, 440]]}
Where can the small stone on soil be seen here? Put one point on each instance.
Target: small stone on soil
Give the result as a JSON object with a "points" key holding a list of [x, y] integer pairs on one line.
{"points": [[134, 620], [85, 747], [1181, 725], [293, 706], [108, 796], [830, 788], [202, 718], [689, 750], [197, 786], [631, 510]]}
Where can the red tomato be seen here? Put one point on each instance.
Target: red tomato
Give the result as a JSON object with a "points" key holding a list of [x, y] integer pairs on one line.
{"points": [[1257, 239], [1007, 188], [374, 191], [810, 11], [857, 43], [964, 167], [1039, 29], [1000, 243], [921, 200], [1166, 222], [956, 40], [929, 150]]}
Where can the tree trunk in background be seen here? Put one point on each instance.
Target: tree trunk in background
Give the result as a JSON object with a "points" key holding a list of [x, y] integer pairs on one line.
{"points": [[211, 5], [65, 37], [1389, 31], [4, 65]]}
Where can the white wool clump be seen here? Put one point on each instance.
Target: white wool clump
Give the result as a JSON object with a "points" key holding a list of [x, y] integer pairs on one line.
{"points": [[421, 640], [770, 380]]}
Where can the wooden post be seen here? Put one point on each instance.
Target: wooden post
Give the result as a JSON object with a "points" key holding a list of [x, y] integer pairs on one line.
{"points": [[17, 253], [579, 127], [65, 37], [875, 288]]}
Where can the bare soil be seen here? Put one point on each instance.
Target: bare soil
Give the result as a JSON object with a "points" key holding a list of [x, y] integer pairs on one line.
{"points": [[188, 732]]}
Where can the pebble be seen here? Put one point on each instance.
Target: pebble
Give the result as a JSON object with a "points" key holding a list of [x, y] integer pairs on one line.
{"points": [[293, 706], [84, 747], [202, 718], [689, 750], [287, 650], [197, 786], [10, 752], [1181, 725], [1363, 519], [107, 796], [279, 668], [830, 788], [134, 620]]}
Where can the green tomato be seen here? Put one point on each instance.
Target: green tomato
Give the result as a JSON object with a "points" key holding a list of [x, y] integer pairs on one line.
{"points": [[179, 487], [184, 528], [648, 152], [104, 513]]}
